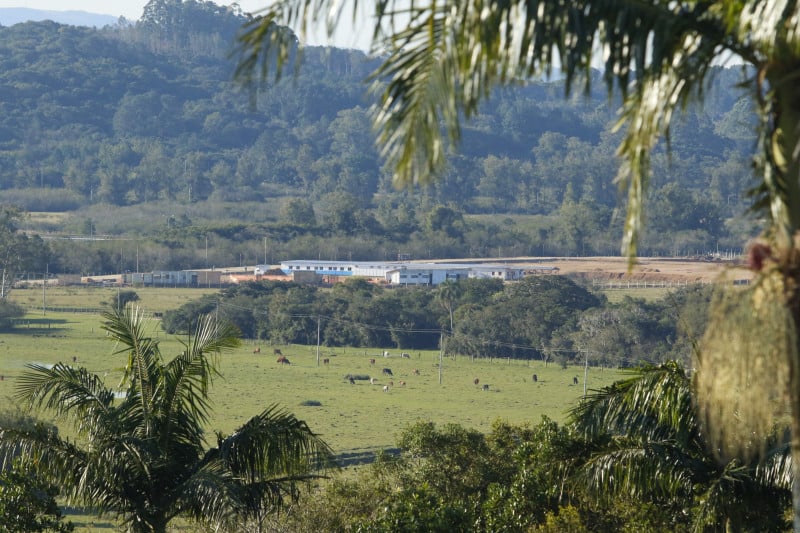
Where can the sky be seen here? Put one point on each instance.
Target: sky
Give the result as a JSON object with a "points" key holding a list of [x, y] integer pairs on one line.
{"points": [[132, 10]]}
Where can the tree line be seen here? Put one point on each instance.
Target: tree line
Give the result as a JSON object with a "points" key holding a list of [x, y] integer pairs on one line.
{"points": [[546, 317]]}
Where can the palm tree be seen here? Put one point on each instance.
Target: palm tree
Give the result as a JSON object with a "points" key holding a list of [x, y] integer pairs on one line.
{"points": [[442, 58], [144, 456], [649, 447]]}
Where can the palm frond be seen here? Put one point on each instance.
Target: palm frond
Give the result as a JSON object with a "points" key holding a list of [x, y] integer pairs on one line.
{"points": [[127, 327], [640, 469], [185, 380], [655, 403], [54, 459], [274, 445], [66, 390]]}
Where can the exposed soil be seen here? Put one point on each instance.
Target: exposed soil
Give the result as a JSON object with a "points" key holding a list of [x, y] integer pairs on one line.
{"points": [[645, 269]]}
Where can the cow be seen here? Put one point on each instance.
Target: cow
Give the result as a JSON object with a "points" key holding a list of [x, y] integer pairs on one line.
{"points": [[415, 371], [402, 383], [386, 388], [283, 360], [476, 381], [352, 380], [575, 380], [391, 383], [276, 351], [486, 387], [385, 353], [372, 361], [326, 361], [257, 350], [387, 372], [372, 381], [405, 355], [535, 378]]}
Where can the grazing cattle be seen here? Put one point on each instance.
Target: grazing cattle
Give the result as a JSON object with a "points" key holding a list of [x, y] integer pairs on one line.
{"points": [[486, 387], [257, 350], [415, 371], [283, 360], [387, 372], [535, 378], [405, 355], [386, 388], [352, 380], [276, 351], [372, 361], [575, 380], [391, 383], [385, 353], [326, 361], [372, 381], [74, 359], [402, 383], [476, 381]]}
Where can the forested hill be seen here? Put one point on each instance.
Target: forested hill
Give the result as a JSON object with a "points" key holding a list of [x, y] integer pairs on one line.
{"points": [[148, 112]]}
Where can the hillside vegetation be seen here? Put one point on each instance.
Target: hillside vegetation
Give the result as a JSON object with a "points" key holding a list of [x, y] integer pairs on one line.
{"points": [[138, 132]]}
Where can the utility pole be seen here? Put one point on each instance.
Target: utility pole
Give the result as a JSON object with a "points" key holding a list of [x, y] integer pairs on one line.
{"points": [[318, 328], [44, 289], [441, 355], [585, 370]]}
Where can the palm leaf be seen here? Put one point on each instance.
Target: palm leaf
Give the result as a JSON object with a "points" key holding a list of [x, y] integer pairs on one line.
{"points": [[55, 460], [274, 445], [185, 380], [127, 327], [66, 390], [655, 403]]}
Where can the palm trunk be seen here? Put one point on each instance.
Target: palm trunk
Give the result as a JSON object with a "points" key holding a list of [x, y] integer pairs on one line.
{"points": [[785, 207], [794, 400]]}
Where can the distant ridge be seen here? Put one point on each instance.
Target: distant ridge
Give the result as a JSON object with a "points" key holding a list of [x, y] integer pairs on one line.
{"points": [[14, 15]]}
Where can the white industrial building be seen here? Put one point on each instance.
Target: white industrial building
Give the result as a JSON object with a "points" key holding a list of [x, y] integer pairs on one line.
{"points": [[398, 273]]}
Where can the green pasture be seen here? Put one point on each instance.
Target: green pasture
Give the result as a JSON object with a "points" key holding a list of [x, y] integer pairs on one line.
{"points": [[351, 418], [348, 416]]}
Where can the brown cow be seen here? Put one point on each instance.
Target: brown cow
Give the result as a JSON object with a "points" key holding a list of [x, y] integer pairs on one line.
{"points": [[257, 350], [372, 361], [476, 381], [283, 360], [276, 351], [415, 372], [326, 361], [402, 383]]}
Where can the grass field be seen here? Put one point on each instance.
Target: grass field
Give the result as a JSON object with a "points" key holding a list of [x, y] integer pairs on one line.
{"points": [[351, 418]]}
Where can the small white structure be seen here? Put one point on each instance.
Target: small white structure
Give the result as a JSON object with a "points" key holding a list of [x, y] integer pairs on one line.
{"points": [[403, 273]]}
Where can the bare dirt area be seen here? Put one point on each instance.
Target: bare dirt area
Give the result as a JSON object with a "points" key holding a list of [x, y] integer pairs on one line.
{"points": [[645, 269]]}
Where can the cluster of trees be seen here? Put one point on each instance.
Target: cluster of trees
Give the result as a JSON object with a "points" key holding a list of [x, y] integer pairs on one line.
{"points": [[550, 318]]}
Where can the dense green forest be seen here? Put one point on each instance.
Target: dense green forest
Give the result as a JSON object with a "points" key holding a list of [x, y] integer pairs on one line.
{"points": [[138, 132]]}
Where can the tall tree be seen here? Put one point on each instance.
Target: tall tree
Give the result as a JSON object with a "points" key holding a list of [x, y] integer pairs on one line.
{"points": [[18, 252], [145, 455], [443, 58]]}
